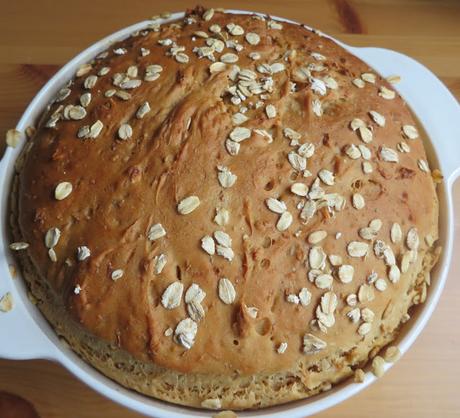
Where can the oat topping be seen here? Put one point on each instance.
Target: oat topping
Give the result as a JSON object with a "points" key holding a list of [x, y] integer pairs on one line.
{"points": [[324, 281], [318, 86], [188, 205], [196, 311], [353, 152], [85, 99], [13, 136], [394, 273], [252, 38], [365, 152], [227, 293], [365, 134], [378, 366], [388, 155], [412, 239], [364, 329], [90, 131], [392, 354], [83, 70], [90, 81], [410, 131], [132, 71], [159, 262], [6, 302], [367, 167], [316, 237], [225, 252], [252, 311], [19, 246], [275, 205], [312, 344], [144, 108], [386, 93], [52, 255], [316, 257], [103, 71], [52, 237], [226, 177], [208, 15], [144, 52], [194, 293], [346, 273], [155, 232], [185, 333], [172, 295], [282, 348], [223, 238], [357, 123], [378, 118], [207, 243], [117, 274], [213, 403], [367, 315], [270, 111], [352, 299], [83, 252], [125, 131], [354, 315], [393, 79], [284, 221], [222, 217], [63, 190], [239, 134], [239, 118], [365, 293], [272, 24], [294, 299], [152, 72], [357, 249], [395, 233], [423, 165], [304, 296], [358, 201], [327, 177], [369, 77], [359, 376], [229, 58]]}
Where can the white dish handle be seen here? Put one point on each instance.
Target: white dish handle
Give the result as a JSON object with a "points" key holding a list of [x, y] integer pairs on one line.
{"points": [[23, 329], [429, 99], [22, 338]]}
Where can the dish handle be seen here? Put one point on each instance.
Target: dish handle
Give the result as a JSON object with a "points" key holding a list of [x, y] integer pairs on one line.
{"points": [[22, 338], [428, 98], [22, 329]]}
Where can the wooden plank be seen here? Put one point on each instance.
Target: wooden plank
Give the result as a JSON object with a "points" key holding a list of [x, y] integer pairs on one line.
{"points": [[38, 37]]}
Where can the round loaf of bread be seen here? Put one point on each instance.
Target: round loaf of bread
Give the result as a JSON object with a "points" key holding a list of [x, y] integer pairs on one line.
{"points": [[226, 211]]}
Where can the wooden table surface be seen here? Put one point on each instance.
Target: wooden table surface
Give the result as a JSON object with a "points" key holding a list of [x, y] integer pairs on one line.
{"points": [[37, 37]]}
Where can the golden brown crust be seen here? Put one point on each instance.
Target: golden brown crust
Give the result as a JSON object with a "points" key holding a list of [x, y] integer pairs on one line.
{"points": [[120, 188]]}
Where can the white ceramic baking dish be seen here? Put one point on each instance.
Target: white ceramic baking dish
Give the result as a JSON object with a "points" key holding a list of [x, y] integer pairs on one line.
{"points": [[27, 335]]}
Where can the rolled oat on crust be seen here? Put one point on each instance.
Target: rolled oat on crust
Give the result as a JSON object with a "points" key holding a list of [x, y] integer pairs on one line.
{"points": [[245, 212]]}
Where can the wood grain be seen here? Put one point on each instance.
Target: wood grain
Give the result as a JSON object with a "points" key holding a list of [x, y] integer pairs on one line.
{"points": [[36, 38]]}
